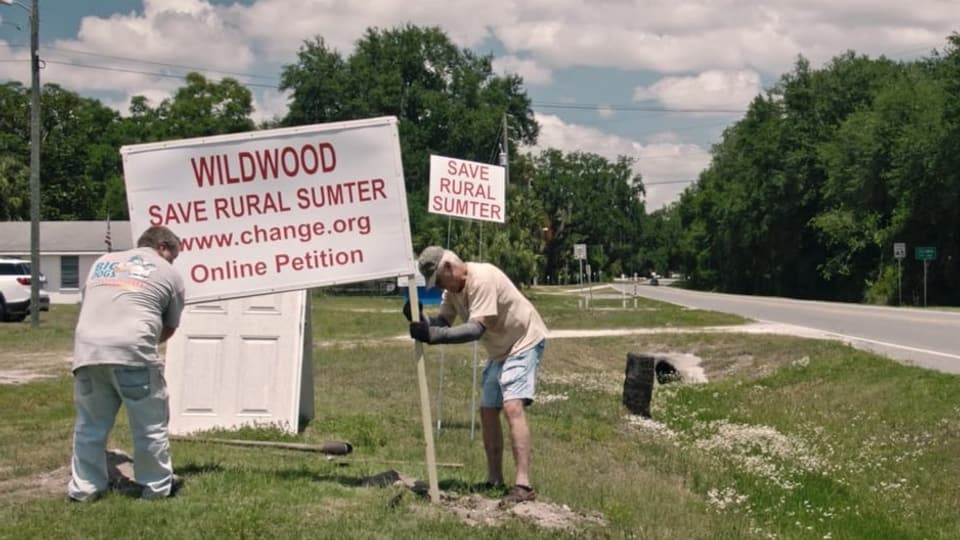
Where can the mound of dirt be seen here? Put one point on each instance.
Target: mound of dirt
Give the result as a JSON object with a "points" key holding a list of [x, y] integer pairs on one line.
{"points": [[477, 510]]}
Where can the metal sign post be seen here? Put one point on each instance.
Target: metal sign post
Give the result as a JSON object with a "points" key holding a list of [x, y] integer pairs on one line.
{"points": [[925, 254], [589, 285], [899, 251], [580, 253]]}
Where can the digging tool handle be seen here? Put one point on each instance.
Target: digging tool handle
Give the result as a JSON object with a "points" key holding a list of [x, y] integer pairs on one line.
{"points": [[335, 448]]}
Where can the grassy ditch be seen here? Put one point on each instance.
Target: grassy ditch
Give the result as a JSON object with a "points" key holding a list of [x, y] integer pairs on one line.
{"points": [[790, 438]]}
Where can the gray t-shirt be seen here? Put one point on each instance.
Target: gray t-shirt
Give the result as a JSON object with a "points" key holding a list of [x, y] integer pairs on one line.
{"points": [[128, 298]]}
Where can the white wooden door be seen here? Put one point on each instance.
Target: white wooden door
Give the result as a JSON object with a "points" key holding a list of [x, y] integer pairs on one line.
{"points": [[240, 362]]}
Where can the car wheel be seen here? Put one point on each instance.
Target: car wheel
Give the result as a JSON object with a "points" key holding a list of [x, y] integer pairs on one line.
{"points": [[3, 310]]}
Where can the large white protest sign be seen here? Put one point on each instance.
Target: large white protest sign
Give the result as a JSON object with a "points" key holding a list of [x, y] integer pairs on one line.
{"points": [[467, 189], [277, 210]]}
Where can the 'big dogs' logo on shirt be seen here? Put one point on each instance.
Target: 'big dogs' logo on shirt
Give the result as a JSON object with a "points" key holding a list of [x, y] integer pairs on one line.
{"points": [[127, 273]]}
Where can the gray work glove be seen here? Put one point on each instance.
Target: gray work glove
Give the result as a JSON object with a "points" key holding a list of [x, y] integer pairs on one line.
{"points": [[434, 335], [420, 331]]}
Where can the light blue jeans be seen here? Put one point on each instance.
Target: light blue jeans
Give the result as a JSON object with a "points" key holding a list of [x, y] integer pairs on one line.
{"points": [[98, 392], [514, 378]]}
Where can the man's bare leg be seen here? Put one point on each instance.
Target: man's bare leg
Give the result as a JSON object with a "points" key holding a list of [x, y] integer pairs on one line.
{"points": [[519, 438], [492, 443]]}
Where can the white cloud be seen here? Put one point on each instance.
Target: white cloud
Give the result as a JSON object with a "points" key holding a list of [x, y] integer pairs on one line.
{"points": [[686, 35], [270, 104], [540, 36], [532, 72], [724, 90], [666, 167]]}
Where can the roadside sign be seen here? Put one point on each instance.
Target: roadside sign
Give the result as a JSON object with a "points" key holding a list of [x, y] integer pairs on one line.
{"points": [[277, 210], [925, 253], [580, 251], [467, 189], [900, 250]]}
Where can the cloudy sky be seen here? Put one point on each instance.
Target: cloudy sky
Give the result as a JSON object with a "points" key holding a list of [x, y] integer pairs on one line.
{"points": [[654, 80]]}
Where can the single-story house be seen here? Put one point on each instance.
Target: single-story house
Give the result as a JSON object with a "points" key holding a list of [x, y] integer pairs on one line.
{"points": [[67, 250]]}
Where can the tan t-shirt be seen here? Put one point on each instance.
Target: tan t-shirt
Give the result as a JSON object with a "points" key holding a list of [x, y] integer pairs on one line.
{"points": [[513, 324]]}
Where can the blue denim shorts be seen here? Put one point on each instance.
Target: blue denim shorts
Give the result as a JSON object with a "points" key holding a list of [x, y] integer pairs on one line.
{"points": [[514, 378]]}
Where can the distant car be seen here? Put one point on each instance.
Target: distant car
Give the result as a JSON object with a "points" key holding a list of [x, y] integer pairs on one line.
{"points": [[654, 278], [15, 290]]}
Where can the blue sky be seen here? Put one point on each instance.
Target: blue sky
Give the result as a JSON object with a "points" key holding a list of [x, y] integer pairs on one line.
{"points": [[640, 78]]}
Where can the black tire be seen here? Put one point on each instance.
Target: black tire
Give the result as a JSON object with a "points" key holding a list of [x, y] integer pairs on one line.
{"points": [[3, 310]]}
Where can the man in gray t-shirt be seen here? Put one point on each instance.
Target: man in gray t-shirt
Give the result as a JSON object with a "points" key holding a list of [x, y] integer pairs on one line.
{"points": [[132, 301]]}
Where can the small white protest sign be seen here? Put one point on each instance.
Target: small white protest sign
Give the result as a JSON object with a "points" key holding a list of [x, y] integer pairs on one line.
{"points": [[276, 210], [467, 189]]}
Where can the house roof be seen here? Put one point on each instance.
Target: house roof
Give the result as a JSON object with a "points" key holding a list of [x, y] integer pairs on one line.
{"points": [[65, 237]]}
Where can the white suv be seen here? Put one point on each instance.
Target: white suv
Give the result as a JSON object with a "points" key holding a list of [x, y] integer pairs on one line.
{"points": [[15, 290]]}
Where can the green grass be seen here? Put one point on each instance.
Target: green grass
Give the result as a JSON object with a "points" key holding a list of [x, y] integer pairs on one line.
{"points": [[358, 318], [791, 438], [55, 331], [567, 312]]}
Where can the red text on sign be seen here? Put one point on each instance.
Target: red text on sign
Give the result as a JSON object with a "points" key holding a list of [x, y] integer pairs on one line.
{"points": [[188, 212], [202, 273], [471, 170], [265, 164], [465, 188], [466, 208]]}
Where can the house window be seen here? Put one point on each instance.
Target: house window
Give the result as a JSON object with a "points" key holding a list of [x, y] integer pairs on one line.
{"points": [[69, 272]]}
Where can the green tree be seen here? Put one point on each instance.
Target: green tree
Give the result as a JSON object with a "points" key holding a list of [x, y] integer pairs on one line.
{"points": [[14, 189], [200, 108], [807, 193], [589, 200]]}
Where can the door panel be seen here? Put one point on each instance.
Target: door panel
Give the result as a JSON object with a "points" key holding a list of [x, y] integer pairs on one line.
{"points": [[239, 362]]}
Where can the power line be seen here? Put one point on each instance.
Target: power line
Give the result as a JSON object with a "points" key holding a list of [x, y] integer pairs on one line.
{"points": [[662, 182], [593, 107], [164, 64], [139, 72], [627, 108]]}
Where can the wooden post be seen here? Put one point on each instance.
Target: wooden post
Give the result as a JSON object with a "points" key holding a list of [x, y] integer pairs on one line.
{"points": [[424, 396]]}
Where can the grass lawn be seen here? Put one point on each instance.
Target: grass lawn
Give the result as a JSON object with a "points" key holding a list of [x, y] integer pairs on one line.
{"points": [[790, 438]]}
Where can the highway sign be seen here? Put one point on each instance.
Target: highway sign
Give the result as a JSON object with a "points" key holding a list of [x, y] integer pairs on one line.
{"points": [[925, 253], [899, 250], [580, 251]]}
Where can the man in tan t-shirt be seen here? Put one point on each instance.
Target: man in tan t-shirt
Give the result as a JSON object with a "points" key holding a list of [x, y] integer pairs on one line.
{"points": [[494, 312]]}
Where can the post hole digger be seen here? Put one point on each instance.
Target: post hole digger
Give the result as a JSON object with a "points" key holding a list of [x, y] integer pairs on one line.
{"points": [[332, 449]]}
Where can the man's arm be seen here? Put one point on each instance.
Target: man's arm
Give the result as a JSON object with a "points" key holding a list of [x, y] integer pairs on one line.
{"points": [[424, 331]]}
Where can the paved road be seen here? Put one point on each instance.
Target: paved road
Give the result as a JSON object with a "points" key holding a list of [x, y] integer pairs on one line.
{"points": [[929, 338]]}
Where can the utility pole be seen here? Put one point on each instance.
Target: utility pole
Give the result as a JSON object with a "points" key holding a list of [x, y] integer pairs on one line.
{"points": [[35, 164], [34, 11], [505, 155]]}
